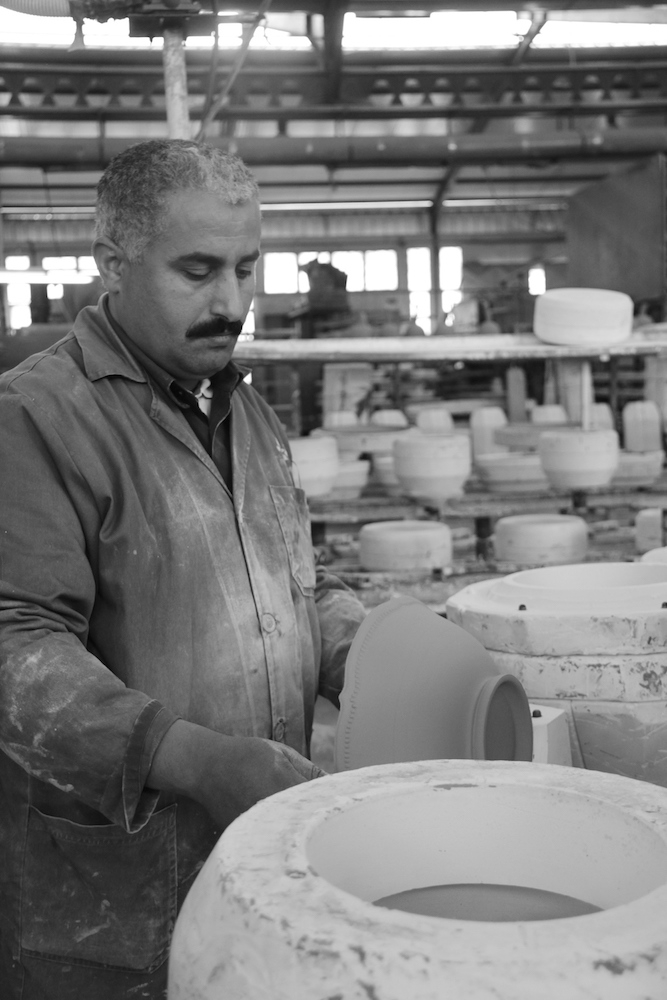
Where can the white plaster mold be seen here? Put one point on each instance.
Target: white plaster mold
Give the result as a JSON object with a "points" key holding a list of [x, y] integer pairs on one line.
{"points": [[540, 539], [392, 546], [316, 463], [575, 459], [583, 316], [433, 467], [590, 639], [282, 909]]}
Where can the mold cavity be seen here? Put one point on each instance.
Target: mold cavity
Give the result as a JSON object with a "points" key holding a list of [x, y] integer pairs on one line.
{"points": [[488, 852]]}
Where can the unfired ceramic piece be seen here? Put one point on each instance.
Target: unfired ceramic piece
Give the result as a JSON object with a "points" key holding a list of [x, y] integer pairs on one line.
{"points": [[418, 688]]}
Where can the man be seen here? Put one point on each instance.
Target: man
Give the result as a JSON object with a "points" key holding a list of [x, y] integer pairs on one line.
{"points": [[163, 631]]}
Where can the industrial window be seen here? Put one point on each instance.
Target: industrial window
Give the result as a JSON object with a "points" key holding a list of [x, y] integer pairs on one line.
{"points": [[450, 263], [537, 280], [419, 286], [366, 270]]}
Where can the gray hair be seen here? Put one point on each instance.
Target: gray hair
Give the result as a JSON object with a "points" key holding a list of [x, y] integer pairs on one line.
{"points": [[131, 192]]}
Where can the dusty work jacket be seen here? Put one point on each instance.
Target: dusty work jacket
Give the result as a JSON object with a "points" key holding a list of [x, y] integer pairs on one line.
{"points": [[136, 589]]}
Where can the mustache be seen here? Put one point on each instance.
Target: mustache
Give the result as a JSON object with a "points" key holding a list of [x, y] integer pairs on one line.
{"points": [[214, 328]]}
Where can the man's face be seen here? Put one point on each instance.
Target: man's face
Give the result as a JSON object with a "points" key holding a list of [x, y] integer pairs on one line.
{"points": [[185, 301]]}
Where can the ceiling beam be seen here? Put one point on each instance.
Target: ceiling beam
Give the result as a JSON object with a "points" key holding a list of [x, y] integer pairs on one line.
{"points": [[93, 153], [334, 15]]}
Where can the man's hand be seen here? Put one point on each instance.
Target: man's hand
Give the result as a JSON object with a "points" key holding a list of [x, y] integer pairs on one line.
{"points": [[225, 774]]}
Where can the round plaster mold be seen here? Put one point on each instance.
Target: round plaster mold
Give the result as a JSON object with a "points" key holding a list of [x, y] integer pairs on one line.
{"points": [[283, 908], [388, 546], [540, 539], [588, 638], [316, 463], [512, 472], [578, 459], [638, 468], [593, 317], [433, 467]]}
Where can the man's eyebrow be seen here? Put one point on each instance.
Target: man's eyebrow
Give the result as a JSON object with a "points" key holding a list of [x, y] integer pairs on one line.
{"points": [[211, 259]]}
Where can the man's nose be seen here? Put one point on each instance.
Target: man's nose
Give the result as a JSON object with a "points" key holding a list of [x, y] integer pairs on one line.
{"points": [[227, 298]]}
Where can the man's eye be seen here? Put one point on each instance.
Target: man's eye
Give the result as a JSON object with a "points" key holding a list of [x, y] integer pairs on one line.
{"points": [[244, 272], [196, 275]]}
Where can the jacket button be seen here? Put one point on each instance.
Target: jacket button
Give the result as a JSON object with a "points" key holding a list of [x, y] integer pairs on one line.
{"points": [[279, 730], [268, 622]]}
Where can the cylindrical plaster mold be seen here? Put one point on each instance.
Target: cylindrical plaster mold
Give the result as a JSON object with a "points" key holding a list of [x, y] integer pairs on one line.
{"points": [[540, 539], [590, 639], [433, 467], [391, 546], [283, 907], [316, 464], [579, 459]]}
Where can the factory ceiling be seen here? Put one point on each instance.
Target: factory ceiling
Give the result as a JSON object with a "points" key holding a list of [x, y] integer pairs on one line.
{"points": [[480, 130]]}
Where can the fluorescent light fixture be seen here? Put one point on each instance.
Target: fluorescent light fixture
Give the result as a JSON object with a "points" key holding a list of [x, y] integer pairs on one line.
{"points": [[342, 206], [35, 276]]}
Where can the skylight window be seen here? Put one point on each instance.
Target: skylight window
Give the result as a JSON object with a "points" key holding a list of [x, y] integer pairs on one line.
{"points": [[442, 30]]}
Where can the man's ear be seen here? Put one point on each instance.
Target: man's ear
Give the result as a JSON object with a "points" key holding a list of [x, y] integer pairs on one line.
{"points": [[111, 262]]}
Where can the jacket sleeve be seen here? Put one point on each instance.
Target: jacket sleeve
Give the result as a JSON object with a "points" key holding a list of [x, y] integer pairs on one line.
{"points": [[340, 614], [64, 717]]}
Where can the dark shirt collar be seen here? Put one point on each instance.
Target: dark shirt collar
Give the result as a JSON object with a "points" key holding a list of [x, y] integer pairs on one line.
{"points": [[227, 378]]}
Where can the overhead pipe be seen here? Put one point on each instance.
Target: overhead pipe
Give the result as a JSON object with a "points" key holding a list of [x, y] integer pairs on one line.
{"points": [[414, 151]]}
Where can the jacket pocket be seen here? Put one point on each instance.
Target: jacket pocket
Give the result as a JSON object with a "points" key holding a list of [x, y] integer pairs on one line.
{"points": [[96, 895], [292, 510]]}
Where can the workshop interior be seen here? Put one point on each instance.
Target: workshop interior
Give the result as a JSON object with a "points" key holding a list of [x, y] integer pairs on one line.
{"points": [[460, 322]]}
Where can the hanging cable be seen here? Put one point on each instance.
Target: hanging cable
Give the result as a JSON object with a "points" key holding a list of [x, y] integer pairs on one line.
{"points": [[223, 96], [213, 69]]}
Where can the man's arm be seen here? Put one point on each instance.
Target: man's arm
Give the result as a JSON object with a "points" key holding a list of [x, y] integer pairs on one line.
{"points": [[64, 716], [225, 774]]}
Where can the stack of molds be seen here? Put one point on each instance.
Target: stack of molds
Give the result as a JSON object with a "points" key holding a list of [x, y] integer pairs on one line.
{"points": [[590, 639]]}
